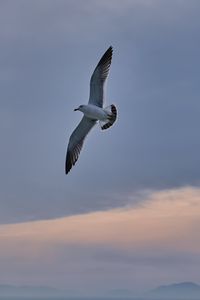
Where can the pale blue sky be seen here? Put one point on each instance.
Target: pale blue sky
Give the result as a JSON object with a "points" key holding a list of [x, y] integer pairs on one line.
{"points": [[48, 52]]}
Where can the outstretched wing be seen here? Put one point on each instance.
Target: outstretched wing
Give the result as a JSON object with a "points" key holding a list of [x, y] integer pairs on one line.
{"points": [[98, 79], [76, 142]]}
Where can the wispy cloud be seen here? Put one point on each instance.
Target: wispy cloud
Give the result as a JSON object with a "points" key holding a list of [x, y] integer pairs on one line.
{"points": [[161, 216], [160, 234]]}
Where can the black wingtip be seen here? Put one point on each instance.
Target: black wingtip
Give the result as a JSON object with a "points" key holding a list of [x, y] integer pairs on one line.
{"points": [[110, 48], [109, 51], [68, 164], [107, 57]]}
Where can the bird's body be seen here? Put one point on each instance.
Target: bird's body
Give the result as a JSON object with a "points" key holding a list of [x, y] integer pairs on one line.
{"points": [[93, 111]]}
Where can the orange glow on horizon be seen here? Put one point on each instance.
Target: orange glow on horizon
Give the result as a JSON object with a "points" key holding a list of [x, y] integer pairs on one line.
{"points": [[165, 219]]}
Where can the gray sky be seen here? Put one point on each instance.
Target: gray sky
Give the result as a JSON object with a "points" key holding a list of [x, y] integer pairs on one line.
{"points": [[48, 52]]}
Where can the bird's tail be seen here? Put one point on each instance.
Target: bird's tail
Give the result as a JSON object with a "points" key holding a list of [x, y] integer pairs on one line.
{"points": [[112, 116]]}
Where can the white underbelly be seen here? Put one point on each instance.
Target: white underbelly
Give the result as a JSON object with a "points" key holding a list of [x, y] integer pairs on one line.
{"points": [[95, 113]]}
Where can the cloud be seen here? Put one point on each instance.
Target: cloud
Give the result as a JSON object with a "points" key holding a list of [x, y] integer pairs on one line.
{"points": [[159, 236]]}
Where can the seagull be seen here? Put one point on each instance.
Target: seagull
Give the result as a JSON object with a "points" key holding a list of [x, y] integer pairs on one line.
{"points": [[93, 111]]}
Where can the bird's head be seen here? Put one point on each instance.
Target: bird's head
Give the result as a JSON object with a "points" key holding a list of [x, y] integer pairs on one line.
{"points": [[79, 108]]}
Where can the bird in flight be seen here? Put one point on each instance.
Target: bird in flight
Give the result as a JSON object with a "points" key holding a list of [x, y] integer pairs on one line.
{"points": [[92, 112]]}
